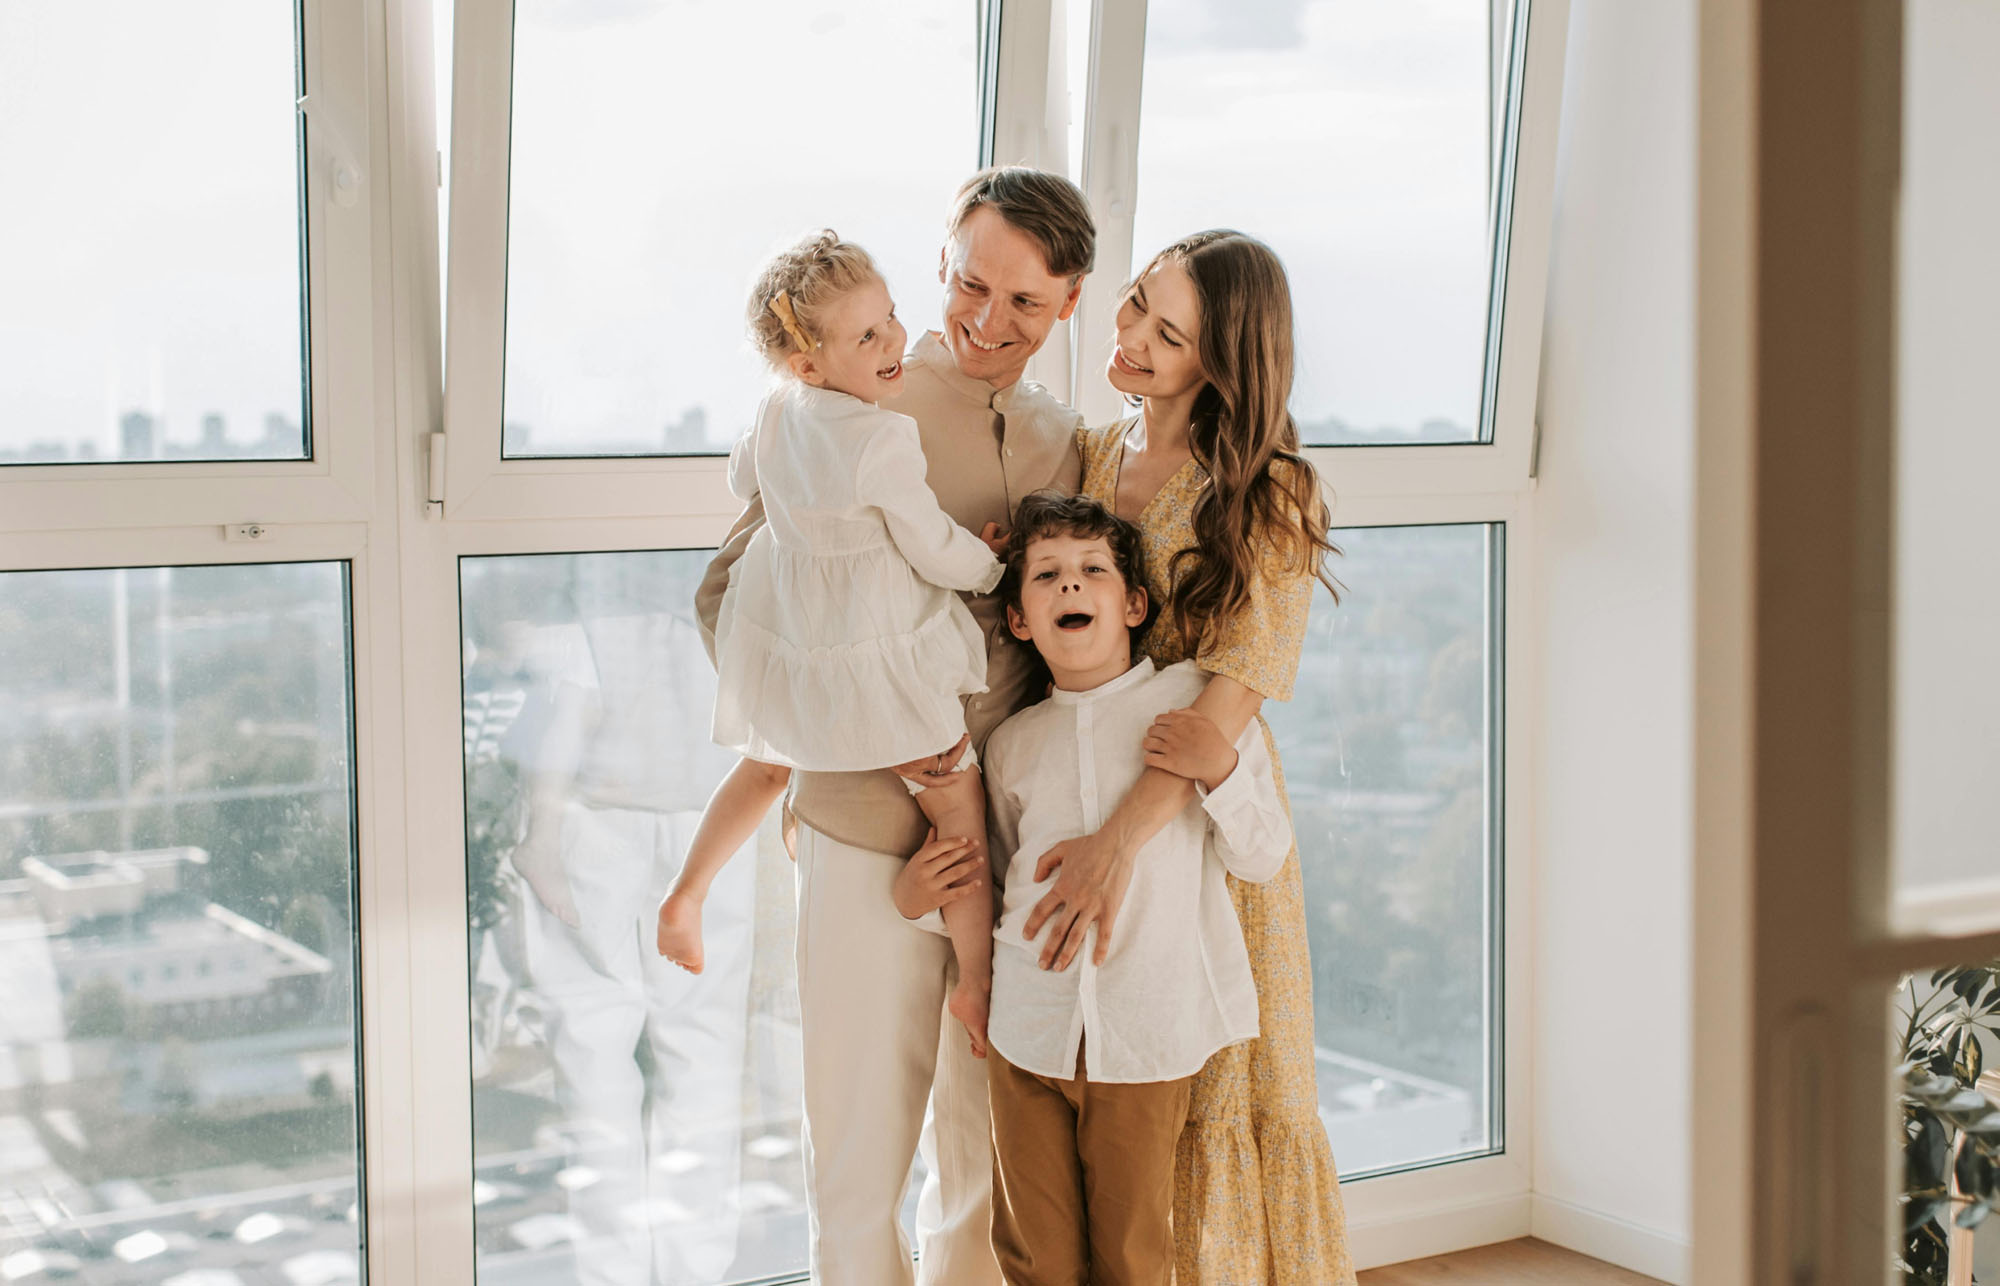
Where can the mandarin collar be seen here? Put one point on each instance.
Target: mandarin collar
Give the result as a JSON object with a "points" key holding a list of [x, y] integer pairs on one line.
{"points": [[1141, 670], [931, 353]]}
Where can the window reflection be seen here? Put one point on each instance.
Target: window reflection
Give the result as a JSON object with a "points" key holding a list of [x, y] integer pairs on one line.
{"points": [[632, 1124]]}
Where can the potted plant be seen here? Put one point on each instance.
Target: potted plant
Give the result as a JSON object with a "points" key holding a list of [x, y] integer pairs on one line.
{"points": [[1951, 1124]]}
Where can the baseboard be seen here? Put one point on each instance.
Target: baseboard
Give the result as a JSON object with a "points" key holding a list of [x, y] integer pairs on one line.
{"points": [[1438, 1231], [1601, 1236]]}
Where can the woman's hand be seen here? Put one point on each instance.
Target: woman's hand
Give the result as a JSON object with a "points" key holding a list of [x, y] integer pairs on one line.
{"points": [[1187, 743], [941, 872], [1092, 874]]}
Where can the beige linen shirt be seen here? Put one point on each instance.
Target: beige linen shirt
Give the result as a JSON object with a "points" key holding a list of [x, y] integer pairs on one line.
{"points": [[983, 450]]}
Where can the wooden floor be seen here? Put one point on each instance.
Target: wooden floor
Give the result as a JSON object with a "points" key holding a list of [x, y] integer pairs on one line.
{"points": [[1514, 1263]]}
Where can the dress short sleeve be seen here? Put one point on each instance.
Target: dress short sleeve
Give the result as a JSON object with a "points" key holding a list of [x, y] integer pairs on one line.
{"points": [[1259, 644]]}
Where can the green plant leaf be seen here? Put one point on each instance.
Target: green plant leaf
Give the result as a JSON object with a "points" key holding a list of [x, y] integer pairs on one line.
{"points": [[1925, 1157]]}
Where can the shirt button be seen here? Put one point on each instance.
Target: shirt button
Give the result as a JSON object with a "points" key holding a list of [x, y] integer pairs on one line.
{"points": [[1010, 453]]}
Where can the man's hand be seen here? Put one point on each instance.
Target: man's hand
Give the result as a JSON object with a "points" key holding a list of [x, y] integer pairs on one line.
{"points": [[996, 539], [1187, 744], [1091, 879], [941, 872]]}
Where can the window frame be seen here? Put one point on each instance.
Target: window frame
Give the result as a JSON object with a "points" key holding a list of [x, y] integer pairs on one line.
{"points": [[336, 482]]}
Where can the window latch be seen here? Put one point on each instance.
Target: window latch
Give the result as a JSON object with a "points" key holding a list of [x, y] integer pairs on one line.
{"points": [[321, 127]]}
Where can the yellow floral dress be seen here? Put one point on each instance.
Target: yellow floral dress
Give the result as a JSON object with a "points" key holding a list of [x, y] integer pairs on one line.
{"points": [[1256, 1196]]}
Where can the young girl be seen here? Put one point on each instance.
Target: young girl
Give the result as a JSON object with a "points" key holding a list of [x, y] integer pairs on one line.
{"points": [[840, 645]]}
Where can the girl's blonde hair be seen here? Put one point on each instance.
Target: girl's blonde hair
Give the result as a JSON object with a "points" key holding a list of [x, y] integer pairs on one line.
{"points": [[794, 290]]}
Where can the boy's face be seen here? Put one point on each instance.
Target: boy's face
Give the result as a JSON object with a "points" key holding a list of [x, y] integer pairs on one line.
{"points": [[1077, 609]]}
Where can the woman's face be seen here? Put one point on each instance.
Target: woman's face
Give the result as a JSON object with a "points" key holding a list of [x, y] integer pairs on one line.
{"points": [[1158, 326]]}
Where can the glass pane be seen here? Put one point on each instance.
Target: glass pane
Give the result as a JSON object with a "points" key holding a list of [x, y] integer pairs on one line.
{"points": [[661, 152], [151, 279], [631, 1123], [1390, 748], [178, 1076], [1354, 139], [1946, 1025], [1946, 736]]}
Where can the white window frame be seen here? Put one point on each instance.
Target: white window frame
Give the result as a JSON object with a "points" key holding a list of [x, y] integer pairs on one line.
{"points": [[337, 483], [364, 498]]}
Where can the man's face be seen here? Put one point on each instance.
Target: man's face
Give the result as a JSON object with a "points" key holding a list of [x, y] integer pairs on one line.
{"points": [[1077, 609], [1000, 301]]}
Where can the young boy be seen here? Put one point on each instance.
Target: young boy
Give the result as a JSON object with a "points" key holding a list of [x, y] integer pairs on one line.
{"points": [[1090, 1067]]}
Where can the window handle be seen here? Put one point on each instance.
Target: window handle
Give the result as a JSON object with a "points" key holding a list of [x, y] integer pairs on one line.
{"points": [[320, 126]]}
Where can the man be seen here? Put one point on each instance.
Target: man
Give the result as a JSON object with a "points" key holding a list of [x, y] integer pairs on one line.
{"points": [[872, 983]]}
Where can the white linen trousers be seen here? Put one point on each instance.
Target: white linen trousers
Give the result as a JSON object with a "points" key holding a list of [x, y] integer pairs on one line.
{"points": [[878, 1044]]}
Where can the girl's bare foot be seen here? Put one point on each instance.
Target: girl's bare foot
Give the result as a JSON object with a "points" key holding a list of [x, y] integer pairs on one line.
{"points": [[680, 930], [969, 1002]]}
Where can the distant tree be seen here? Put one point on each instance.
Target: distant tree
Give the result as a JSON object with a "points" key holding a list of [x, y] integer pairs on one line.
{"points": [[97, 1010]]}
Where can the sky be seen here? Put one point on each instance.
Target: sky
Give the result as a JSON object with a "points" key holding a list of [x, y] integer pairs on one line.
{"points": [[663, 148]]}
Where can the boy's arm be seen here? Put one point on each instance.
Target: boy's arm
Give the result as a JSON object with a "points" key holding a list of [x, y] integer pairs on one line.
{"points": [[708, 598], [1246, 819]]}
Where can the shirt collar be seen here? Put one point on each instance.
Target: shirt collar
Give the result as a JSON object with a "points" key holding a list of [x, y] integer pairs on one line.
{"points": [[1141, 670], [930, 352]]}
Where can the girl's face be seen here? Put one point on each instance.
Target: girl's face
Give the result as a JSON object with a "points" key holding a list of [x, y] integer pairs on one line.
{"points": [[860, 349], [1158, 326]]}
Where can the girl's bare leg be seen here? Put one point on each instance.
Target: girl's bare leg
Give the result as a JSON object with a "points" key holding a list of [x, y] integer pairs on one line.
{"points": [[958, 811], [731, 818]]}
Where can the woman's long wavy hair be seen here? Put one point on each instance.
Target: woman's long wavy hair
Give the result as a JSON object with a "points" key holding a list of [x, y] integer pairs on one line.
{"points": [[1262, 507]]}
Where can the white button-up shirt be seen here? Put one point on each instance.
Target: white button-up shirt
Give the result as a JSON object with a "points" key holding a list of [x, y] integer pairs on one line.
{"points": [[1176, 985]]}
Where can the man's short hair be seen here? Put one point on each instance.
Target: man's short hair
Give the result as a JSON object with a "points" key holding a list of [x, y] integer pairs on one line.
{"points": [[1042, 514], [1048, 207]]}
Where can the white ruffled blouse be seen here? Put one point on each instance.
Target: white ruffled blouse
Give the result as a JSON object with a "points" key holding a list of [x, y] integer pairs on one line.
{"points": [[841, 644]]}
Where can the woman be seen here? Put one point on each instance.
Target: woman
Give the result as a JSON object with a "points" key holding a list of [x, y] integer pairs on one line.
{"points": [[1235, 535]]}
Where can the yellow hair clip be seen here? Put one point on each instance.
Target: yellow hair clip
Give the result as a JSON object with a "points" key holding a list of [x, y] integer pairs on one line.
{"points": [[781, 308]]}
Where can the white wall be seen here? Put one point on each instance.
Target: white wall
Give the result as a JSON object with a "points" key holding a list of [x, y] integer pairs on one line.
{"points": [[1612, 725], [1947, 733]]}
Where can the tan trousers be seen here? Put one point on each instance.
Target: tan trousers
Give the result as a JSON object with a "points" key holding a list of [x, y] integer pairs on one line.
{"points": [[1083, 1178]]}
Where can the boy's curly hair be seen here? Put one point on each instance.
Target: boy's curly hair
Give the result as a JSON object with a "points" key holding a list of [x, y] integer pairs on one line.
{"points": [[1043, 514]]}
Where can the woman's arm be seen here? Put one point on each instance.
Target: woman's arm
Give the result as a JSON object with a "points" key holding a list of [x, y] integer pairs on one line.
{"points": [[1094, 870]]}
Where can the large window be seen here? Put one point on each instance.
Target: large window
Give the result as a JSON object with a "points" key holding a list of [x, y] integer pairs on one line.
{"points": [[661, 152], [1390, 753], [1357, 140], [151, 292], [178, 1080]]}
